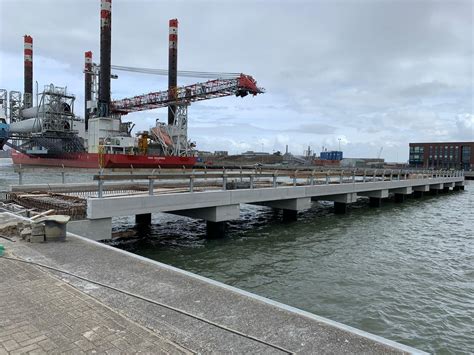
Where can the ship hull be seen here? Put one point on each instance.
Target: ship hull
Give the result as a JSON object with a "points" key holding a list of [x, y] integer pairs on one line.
{"points": [[91, 161]]}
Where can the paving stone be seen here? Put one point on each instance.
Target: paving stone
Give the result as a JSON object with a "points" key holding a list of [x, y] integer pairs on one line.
{"points": [[44, 315]]}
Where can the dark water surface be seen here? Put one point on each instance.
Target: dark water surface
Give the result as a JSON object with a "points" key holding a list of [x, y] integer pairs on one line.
{"points": [[404, 271]]}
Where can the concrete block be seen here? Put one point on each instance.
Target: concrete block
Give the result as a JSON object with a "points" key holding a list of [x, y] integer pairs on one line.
{"points": [[54, 232], [340, 198], [25, 233], [375, 194], [36, 239], [95, 229], [402, 190], [293, 204], [213, 214], [37, 229], [422, 188]]}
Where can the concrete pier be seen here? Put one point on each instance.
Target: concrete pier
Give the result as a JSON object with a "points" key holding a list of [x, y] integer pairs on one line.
{"points": [[224, 205]]}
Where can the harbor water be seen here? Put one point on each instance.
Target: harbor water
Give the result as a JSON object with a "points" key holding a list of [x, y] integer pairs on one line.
{"points": [[403, 271]]}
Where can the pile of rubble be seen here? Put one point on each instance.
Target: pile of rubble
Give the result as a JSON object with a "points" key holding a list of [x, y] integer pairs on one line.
{"points": [[44, 229]]}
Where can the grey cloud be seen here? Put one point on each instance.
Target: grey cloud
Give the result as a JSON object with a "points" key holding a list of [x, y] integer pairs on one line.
{"points": [[366, 69]]}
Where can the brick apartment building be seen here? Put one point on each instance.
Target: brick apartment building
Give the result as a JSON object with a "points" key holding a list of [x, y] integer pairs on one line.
{"points": [[442, 155]]}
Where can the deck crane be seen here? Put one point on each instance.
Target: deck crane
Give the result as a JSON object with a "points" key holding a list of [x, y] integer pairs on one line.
{"points": [[225, 84]]}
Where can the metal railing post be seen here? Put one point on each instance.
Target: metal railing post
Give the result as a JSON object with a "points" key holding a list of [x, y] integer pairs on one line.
{"points": [[63, 176], [275, 181], [311, 180], [20, 177], [294, 180], [391, 174], [151, 186], [100, 191], [365, 176], [191, 183], [353, 176], [340, 177], [251, 181], [375, 175], [224, 182]]}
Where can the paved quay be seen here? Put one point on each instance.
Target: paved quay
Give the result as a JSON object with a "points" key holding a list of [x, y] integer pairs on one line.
{"points": [[41, 314], [201, 315]]}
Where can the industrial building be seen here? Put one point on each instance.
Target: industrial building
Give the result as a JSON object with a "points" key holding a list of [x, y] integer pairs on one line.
{"points": [[442, 155]]}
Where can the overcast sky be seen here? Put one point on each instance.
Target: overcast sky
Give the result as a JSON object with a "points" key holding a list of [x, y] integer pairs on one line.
{"points": [[369, 74]]}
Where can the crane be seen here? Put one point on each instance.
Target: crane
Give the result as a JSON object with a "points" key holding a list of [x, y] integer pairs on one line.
{"points": [[226, 84]]}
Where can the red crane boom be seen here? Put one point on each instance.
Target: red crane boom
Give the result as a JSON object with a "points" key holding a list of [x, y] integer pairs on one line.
{"points": [[239, 86]]}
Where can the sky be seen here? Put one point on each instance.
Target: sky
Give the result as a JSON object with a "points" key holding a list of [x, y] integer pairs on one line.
{"points": [[368, 75]]}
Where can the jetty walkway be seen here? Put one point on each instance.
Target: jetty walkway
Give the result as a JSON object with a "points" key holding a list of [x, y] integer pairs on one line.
{"points": [[216, 197]]}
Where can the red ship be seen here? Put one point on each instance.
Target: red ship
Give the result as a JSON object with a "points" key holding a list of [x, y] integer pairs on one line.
{"points": [[96, 161], [50, 134]]}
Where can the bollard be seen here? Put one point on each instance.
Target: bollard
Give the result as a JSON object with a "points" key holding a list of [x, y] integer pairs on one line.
{"points": [[151, 183], [275, 181], [365, 175], [20, 177], [353, 176], [191, 183], [327, 178], [375, 175], [340, 177], [251, 181], [294, 180]]}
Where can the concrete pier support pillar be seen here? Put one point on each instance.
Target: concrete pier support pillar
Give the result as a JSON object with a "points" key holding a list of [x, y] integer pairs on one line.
{"points": [[215, 230], [418, 194], [375, 202], [340, 207], [446, 189], [290, 215], [400, 198], [435, 188], [143, 219]]}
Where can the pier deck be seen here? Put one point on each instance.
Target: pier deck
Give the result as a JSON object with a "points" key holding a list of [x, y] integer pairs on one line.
{"points": [[216, 197], [272, 323]]}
